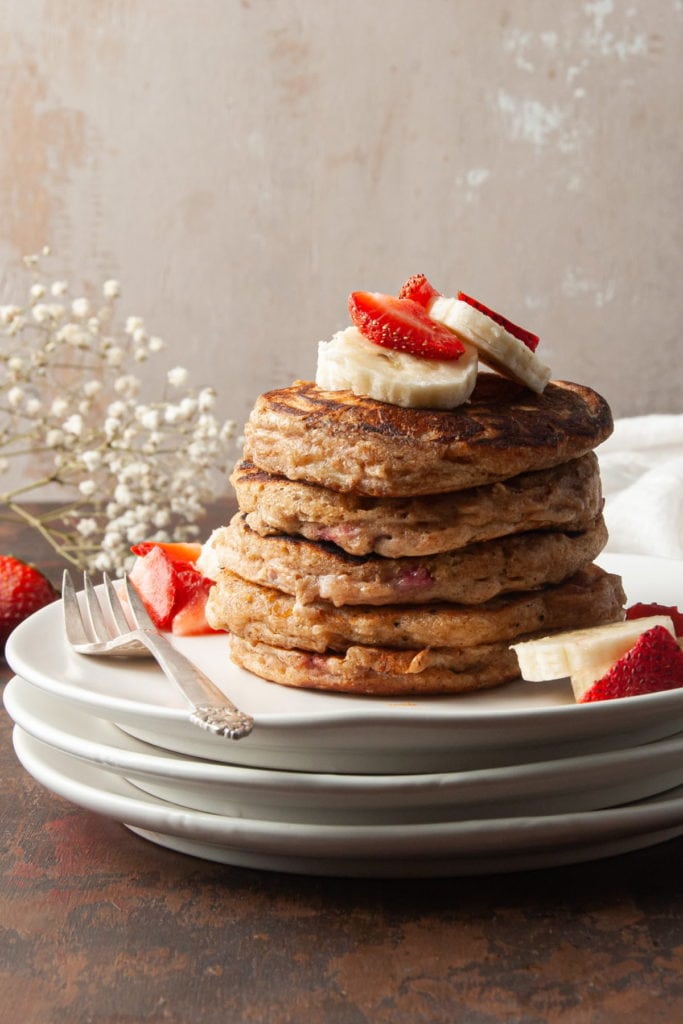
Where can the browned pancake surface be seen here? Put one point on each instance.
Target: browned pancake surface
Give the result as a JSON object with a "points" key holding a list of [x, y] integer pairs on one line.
{"points": [[347, 443]]}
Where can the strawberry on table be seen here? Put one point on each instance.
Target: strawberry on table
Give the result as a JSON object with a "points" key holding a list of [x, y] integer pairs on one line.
{"points": [[23, 590], [403, 325]]}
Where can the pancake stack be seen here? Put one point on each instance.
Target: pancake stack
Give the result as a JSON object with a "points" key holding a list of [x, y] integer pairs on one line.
{"points": [[397, 551]]}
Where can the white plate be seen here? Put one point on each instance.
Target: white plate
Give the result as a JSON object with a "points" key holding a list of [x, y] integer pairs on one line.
{"points": [[549, 787], [313, 731], [373, 850]]}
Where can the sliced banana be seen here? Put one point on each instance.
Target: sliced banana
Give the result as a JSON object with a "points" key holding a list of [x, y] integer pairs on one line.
{"points": [[497, 347], [581, 651], [350, 362]]}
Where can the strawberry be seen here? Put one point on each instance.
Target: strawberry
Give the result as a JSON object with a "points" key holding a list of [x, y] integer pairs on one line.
{"points": [[530, 340], [642, 611], [173, 590], [419, 290], [654, 663], [190, 619], [23, 590], [403, 325], [176, 552]]}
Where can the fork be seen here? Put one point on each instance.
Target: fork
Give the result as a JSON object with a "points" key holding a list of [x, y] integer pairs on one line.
{"points": [[102, 628]]}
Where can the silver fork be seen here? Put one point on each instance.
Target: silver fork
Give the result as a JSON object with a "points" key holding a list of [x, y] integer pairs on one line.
{"points": [[103, 628]]}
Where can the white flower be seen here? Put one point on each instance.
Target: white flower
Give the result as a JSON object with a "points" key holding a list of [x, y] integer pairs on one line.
{"points": [[59, 288], [33, 406], [86, 527], [87, 487], [9, 313], [54, 438], [15, 397], [115, 356], [80, 308], [37, 291], [111, 289], [59, 407], [92, 460], [92, 388], [134, 323], [177, 376], [41, 312], [155, 344], [73, 425]]}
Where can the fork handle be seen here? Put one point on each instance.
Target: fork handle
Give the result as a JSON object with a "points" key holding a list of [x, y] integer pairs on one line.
{"points": [[195, 686]]}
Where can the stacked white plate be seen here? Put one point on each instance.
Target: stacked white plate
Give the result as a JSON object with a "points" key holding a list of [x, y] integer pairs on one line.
{"points": [[507, 779]]}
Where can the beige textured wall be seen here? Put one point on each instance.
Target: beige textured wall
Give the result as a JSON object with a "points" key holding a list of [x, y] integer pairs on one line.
{"points": [[242, 166]]}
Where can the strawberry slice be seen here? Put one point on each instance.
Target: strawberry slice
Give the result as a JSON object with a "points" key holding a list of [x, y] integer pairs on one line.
{"points": [[642, 611], [654, 663], [530, 340], [403, 325], [419, 290], [190, 619], [155, 577], [177, 552]]}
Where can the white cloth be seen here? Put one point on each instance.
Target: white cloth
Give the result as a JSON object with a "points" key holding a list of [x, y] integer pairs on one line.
{"points": [[641, 466]]}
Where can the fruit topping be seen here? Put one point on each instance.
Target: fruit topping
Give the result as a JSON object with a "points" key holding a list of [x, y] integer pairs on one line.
{"points": [[419, 290], [23, 590], [172, 589], [530, 340], [402, 325], [176, 551], [641, 610], [654, 663]]}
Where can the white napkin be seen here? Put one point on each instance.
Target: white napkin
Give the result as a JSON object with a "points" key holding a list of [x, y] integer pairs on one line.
{"points": [[641, 466]]}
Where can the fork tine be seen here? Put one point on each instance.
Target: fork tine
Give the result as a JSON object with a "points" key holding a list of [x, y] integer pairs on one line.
{"points": [[99, 624], [115, 606], [73, 620], [140, 613]]}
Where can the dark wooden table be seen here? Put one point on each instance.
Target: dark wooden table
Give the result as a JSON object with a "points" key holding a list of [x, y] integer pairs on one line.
{"points": [[101, 926]]}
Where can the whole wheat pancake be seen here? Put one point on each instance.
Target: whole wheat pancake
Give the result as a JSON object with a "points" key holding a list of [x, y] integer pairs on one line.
{"points": [[381, 671], [568, 496], [265, 615], [347, 443], [315, 570]]}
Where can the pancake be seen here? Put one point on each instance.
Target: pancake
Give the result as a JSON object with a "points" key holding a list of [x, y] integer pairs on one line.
{"points": [[567, 496], [352, 444], [313, 570], [381, 671], [265, 615]]}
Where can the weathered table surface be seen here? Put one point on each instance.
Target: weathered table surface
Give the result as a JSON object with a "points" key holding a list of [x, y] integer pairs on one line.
{"points": [[100, 926]]}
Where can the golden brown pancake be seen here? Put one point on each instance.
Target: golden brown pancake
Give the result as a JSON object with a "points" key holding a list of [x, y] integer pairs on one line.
{"points": [[567, 496], [379, 671], [320, 571], [351, 444], [265, 615]]}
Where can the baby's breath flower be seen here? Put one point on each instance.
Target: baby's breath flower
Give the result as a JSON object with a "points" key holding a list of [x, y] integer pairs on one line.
{"points": [[111, 289], [129, 470], [177, 376]]}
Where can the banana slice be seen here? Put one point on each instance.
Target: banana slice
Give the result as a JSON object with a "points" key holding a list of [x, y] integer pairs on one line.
{"points": [[582, 651], [497, 347], [351, 362]]}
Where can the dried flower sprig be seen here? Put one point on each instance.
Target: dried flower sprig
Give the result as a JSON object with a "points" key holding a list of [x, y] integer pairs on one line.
{"points": [[71, 408]]}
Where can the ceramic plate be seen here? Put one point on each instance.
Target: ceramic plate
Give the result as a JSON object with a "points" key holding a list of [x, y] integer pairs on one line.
{"points": [[548, 787], [323, 732], [372, 850]]}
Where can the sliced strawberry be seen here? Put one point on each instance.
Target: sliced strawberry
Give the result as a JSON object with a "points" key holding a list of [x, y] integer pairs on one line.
{"points": [[155, 577], [642, 611], [190, 619], [403, 325], [530, 340], [654, 663], [419, 290], [177, 552]]}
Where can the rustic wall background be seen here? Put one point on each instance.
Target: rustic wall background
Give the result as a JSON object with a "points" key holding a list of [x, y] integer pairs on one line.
{"points": [[242, 166]]}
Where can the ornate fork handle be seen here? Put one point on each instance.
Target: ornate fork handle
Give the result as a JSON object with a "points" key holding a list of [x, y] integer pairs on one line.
{"points": [[212, 710]]}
